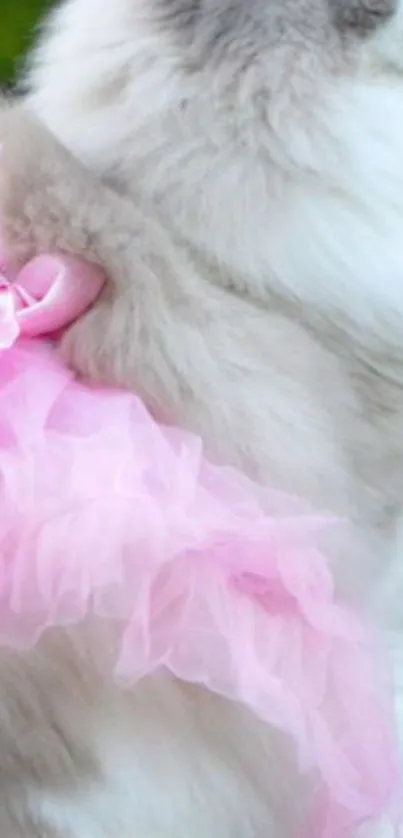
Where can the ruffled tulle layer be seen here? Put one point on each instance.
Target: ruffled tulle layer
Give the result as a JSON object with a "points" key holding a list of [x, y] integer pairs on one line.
{"points": [[218, 581]]}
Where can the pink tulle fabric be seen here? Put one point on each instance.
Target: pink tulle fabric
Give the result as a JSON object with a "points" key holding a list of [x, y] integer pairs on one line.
{"points": [[208, 576]]}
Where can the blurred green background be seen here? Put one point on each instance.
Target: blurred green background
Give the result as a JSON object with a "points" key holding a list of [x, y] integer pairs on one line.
{"points": [[18, 19]]}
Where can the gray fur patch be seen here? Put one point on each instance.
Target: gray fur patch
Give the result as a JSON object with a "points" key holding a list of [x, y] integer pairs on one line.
{"points": [[361, 16], [221, 27], [214, 29]]}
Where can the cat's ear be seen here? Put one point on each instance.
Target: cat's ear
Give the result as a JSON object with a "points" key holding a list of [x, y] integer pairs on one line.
{"points": [[361, 16]]}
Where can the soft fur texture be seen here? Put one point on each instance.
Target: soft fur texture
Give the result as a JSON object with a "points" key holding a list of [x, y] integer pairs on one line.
{"points": [[237, 167]]}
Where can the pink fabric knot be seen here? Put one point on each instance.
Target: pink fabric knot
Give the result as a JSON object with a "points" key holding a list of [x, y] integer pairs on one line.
{"points": [[47, 295], [11, 300]]}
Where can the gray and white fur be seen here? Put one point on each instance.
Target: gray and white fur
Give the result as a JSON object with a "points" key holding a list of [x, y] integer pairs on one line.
{"points": [[237, 168]]}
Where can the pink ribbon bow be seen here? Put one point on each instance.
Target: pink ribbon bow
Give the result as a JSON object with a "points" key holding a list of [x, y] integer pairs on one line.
{"points": [[48, 294]]}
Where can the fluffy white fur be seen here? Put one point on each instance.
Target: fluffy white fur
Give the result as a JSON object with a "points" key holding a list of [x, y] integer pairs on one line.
{"points": [[241, 178]]}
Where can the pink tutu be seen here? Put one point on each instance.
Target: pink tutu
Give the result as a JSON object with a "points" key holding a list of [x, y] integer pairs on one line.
{"points": [[216, 580]]}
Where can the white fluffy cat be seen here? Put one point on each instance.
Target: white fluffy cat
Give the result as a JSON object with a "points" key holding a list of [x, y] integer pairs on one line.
{"points": [[238, 169]]}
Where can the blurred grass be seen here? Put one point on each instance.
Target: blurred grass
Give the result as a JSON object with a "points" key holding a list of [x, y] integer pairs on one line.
{"points": [[18, 19]]}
